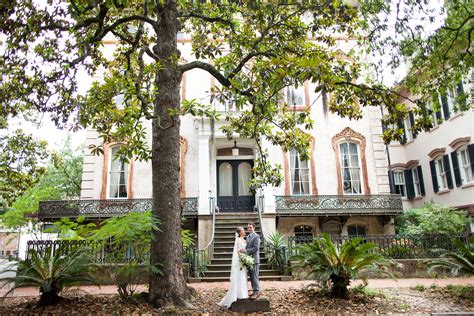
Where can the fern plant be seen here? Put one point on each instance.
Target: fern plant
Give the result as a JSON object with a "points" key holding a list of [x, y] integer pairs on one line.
{"points": [[334, 266], [461, 260], [51, 274]]}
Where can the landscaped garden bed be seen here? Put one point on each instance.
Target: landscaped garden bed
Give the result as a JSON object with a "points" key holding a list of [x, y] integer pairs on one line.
{"points": [[390, 300]]}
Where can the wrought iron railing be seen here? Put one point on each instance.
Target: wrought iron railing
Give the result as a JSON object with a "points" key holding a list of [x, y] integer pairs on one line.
{"points": [[394, 246], [101, 252], [338, 204], [106, 208]]}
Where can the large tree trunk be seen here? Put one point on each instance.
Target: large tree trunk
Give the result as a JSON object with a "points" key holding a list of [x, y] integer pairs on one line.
{"points": [[169, 288]]}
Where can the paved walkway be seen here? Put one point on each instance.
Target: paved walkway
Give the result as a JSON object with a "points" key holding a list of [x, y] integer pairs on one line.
{"points": [[267, 285]]}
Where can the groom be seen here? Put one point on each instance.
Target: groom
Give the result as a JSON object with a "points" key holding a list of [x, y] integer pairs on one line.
{"points": [[253, 249]]}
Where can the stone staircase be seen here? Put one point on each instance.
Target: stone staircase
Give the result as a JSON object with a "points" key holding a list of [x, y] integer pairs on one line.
{"points": [[219, 268]]}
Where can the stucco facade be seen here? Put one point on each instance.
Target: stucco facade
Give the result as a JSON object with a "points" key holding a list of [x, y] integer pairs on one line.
{"points": [[453, 133], [346, 175]]}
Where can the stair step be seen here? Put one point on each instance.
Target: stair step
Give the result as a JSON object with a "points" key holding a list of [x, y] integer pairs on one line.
{"points": [[227, 273], [227, 267], [226, 279], [227, 261]]}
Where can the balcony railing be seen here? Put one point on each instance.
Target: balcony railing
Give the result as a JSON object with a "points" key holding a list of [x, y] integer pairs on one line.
{"points": [[338, 204], [105, 208]]}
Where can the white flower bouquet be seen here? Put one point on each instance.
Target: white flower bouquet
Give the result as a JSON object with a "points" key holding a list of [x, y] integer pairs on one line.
{"points": [[246, 261]]}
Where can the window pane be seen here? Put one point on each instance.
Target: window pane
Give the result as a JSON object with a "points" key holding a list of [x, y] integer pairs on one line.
{"points": [[245, 174], [225, 179], [353, 148]]}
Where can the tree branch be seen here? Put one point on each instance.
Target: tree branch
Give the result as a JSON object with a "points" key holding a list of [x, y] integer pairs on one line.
{"points": [[209, 19]]}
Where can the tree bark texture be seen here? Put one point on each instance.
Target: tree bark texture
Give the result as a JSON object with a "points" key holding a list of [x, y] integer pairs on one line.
{"points": [[169, 288]]}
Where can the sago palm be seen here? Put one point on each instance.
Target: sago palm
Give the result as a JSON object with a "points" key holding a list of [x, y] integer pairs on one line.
{"points": [[461, 260], [51, 274], [335, 266]]}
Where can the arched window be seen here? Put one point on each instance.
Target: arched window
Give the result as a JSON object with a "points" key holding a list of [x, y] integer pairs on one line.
{"points": [[351, 164], [303, 233], [356, 230], [350, 168], [118, 175]]}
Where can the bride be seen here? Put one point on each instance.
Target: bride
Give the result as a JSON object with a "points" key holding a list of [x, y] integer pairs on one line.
{"points": [[238, 274]]}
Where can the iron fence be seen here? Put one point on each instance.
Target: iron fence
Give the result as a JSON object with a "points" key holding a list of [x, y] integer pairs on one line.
{"points": [[394, 246]]}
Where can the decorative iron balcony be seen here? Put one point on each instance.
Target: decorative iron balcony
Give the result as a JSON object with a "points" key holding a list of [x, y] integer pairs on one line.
{"points": [[338, 204], [105, 208]]}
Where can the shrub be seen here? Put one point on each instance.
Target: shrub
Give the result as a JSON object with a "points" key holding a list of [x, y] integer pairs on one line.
{"points": [[456, 261], [335, 266], [51, 274], [431, 219]]}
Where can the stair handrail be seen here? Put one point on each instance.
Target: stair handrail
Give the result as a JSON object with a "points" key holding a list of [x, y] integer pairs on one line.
{"points": [[260, 218], [203, 256]]}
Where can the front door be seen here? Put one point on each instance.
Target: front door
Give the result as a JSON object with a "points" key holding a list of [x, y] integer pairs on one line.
{"points": [[233, 194]]}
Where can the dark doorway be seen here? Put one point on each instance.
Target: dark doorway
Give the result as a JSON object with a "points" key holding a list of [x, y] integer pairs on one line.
{"points": [[233, 194]]}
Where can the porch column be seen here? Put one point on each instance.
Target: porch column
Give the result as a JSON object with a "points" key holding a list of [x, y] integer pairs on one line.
{"points": [[268, 199], [204, 174]]}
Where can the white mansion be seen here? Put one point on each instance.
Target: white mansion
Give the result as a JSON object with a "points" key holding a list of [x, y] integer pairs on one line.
{"points": [[344, 189]]}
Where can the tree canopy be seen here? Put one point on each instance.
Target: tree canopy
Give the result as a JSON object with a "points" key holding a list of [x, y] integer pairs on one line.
{"points": [[61, 180], [22, 163]]}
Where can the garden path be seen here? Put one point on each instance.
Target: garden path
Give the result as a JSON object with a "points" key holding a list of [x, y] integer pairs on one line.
{"points": [[268, 285]]}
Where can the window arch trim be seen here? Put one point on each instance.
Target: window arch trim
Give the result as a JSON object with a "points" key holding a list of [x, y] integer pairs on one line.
{"points": [[349, 135]]}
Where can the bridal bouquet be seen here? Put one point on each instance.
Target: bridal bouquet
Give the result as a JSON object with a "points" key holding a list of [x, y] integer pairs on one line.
{"points": [[246, 261]]}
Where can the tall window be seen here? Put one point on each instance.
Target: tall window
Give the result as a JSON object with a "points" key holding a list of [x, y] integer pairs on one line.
{"points": [[462, 165], [299, 174], [350, 168], [399, 182], [465, 165], [294, 96], [416, 181], [441, 173], [118, 176]]}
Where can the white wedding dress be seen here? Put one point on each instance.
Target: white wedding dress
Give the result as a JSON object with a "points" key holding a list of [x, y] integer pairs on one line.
{"points": [[238, 277]]}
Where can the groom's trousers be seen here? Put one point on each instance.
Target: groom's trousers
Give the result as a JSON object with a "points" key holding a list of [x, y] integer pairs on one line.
{"points": [[254, 278]]}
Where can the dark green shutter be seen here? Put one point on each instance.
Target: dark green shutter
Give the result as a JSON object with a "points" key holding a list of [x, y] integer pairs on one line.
{"points": [[391, 181], [470, 150], [447, 167], [409, 184], [412, 123], [404, 137], [422, 182], [444, 102], [434, 179], [461, 96], [457, 173]]}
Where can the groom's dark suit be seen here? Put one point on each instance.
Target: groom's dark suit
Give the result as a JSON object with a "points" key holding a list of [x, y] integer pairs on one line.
{"points": [[253, 249]]}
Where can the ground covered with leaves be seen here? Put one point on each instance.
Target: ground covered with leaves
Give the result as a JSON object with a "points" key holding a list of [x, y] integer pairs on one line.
{"points": [[283, 301]]}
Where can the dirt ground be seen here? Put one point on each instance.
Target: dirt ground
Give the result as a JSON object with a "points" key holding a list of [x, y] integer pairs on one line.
{"points": [[283, 301]]}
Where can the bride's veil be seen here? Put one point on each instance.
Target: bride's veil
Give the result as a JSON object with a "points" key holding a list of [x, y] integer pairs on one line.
{"points": [[235, 259]]}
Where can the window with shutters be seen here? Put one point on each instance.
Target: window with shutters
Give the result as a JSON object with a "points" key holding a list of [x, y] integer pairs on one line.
{"points": [[416, 182], [441, 173], [450, 102], [465, 167], [399, 182]]}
